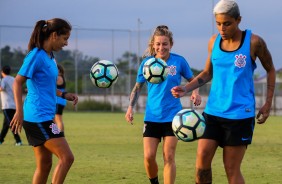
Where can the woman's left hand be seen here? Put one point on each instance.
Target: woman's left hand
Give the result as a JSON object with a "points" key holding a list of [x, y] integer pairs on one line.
{"points": [[72, 97], [196, 98]]}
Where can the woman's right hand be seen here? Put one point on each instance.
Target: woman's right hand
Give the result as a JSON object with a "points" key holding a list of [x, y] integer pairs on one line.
{"points": [[129, 115], [17, 123], [178, 91]]}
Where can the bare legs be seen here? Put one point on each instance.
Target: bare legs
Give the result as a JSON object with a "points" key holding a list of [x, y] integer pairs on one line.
{"points": [[150, 151], [232, 159], [59, 121], [43, 164], [169, 147], [43, 155]]}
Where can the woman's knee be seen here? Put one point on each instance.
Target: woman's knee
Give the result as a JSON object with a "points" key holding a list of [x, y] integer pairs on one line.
{"points": [[68, 159], [169, 158], [231, 169], [44, 165], [149, 157]]}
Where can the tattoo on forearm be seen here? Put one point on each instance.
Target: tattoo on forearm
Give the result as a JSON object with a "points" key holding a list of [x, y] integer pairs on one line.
{"points": [[270, 87], [204, 176], [133, 98], [200, 81], [134, 95]]}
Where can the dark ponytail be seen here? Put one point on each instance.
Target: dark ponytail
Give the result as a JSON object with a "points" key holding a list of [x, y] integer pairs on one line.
{"points": [[43, 30]]}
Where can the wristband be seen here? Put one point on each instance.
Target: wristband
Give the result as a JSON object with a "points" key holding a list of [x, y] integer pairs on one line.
{"points": [[64, 95]]}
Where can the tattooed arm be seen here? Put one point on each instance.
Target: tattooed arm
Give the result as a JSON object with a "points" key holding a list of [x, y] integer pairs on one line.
{"points": [[260, 50], [204, 77], [132, 101]]}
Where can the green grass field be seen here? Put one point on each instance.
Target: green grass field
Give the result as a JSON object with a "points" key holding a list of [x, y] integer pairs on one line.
{"points": [[109, 150]]}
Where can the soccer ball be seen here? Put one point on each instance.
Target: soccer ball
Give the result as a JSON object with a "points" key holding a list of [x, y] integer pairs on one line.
{"points": [[155, 70], [188, 125], [103, 74]]}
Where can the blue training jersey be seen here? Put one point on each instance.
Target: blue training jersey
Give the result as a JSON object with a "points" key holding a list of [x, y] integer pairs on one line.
{"points": [[61, 100], [161, 106], [41, 72], [232, 90]]}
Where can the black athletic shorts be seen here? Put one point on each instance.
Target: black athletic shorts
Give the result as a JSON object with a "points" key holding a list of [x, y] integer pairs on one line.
{"points": [[38, 133], [229, 132], [157, 130], [59, 109]]}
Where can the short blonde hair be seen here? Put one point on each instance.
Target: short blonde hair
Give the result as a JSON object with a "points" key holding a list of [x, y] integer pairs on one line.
{"points": [[229, 7]]}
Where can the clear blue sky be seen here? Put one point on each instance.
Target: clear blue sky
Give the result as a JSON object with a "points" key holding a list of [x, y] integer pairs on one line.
{"points": [[191, 21]]}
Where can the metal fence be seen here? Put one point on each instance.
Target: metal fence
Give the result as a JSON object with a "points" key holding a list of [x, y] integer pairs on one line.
{"points": [[118, 95], [94, 42], [110, 44]]}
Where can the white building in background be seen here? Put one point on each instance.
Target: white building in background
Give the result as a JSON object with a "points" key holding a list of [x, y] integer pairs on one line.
{"points": [[262, 79], [122, 101], [261, 85]]}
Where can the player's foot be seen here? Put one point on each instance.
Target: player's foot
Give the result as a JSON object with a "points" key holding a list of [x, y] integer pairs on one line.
{"points": [[19, 144]]}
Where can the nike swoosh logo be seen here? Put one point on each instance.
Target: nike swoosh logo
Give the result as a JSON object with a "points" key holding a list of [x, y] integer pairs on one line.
{"points": [[245, 139]]}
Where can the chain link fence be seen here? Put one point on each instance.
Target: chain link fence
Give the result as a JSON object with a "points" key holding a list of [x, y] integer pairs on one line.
{"points": [[111, 44]]}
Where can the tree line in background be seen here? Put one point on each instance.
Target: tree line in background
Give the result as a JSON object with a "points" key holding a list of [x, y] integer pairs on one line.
{"points": [[127, 63]]}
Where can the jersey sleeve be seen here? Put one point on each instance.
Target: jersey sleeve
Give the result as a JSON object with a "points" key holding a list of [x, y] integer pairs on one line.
{"points": [[2, 83], [186, 71], [30, 64]]}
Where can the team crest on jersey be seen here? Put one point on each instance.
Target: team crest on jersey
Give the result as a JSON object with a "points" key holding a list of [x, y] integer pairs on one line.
{"points": [[55, 129], [172, 70], [240, 61]]}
